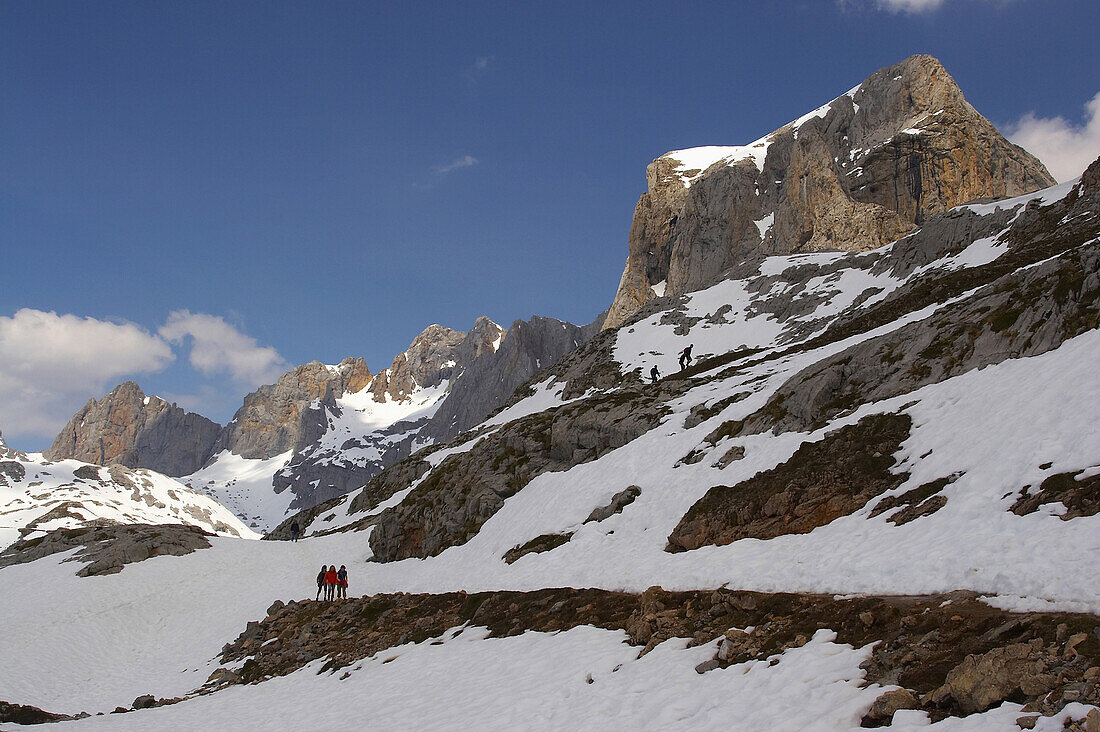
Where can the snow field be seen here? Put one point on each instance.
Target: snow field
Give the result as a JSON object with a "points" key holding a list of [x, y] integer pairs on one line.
{"points": [[244, 487], [153, 499], [540, 681], [152, 628]]}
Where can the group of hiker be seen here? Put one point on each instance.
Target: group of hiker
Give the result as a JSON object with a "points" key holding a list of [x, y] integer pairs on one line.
{"points": [[332, 582], [685, 361]]}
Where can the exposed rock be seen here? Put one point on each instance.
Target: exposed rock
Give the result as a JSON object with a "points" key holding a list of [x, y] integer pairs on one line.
{"points": [[483, 367], [429, 360], [1080, 497], [11, 472], [539, 544], [487, 381], [619, 501], [145, 701], [918, 643], [983, 680], [882, 711], [26, 714], [276, 417], [1023, 313], [461, 493], [128, 428], [872, 164], [822, 481], [106, 547]]}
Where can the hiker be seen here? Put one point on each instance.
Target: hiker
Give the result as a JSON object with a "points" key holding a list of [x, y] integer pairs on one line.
{"points": [[342, 583], [685, 357], [330, 582], [321, 580], [654, 374], [294, 529]]}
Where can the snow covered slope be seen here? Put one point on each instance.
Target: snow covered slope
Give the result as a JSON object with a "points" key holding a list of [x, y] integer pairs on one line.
{"points": [[39, 495]]}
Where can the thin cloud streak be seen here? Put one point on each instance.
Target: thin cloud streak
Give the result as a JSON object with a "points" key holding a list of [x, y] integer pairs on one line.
{"points": [[466, 161]]}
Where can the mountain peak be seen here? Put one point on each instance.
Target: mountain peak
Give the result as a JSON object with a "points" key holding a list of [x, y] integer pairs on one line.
{"points": [[130, 429], [854, 174]]}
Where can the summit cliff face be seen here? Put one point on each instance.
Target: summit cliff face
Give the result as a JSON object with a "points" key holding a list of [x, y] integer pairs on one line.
{"points": [[128, 428], [855, 174], [275, 419]]}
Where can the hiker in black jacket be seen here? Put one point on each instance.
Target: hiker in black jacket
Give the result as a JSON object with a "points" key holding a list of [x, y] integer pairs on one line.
{"points": [[654, 374], [685, 357], [321, 581], [294, 529]]}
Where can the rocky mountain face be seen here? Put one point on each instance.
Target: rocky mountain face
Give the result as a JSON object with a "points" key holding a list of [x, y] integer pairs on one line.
{"points": [[275, 418], [341, 423], [995, 282], [481, 368], [486, 384], [128, 428], [857, 173], [427, 362]]}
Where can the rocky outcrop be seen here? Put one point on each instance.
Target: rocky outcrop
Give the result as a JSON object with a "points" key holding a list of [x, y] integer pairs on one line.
{"points": [[821, 482], [276, 417], [853, 175], [1027, 311], [483, 367], [450, 505], [948, 655], [487, 381], [429, 360], [130, 429], [107, 548]]}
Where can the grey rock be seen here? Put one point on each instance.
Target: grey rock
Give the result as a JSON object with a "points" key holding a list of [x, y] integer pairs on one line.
{"points": [[983, 680], [1026, 312], [484, 366], [619, 501], [707, 666], [108, 547], [467, 488], [145, 701], [429, 359], [487, 381], [883, 708], [855, 178], [277, 417], [127, 428]]}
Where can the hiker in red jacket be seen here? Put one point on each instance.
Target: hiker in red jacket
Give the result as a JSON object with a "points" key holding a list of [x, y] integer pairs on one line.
{"points": [[330, 582]]}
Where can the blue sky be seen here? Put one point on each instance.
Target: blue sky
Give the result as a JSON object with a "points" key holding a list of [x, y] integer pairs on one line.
{"points": [[203, 194]]}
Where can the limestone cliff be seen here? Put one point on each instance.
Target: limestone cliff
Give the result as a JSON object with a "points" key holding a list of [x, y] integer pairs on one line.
{"points": [[853, 175], [276, 417], [128, 428], [427, 362], [483, 367], [486, 383]]}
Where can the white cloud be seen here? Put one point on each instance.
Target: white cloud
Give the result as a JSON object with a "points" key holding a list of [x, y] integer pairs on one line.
{"points": [[465, 161], [50, 364], [1066, 149], [218, 347], [910, 6]]}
